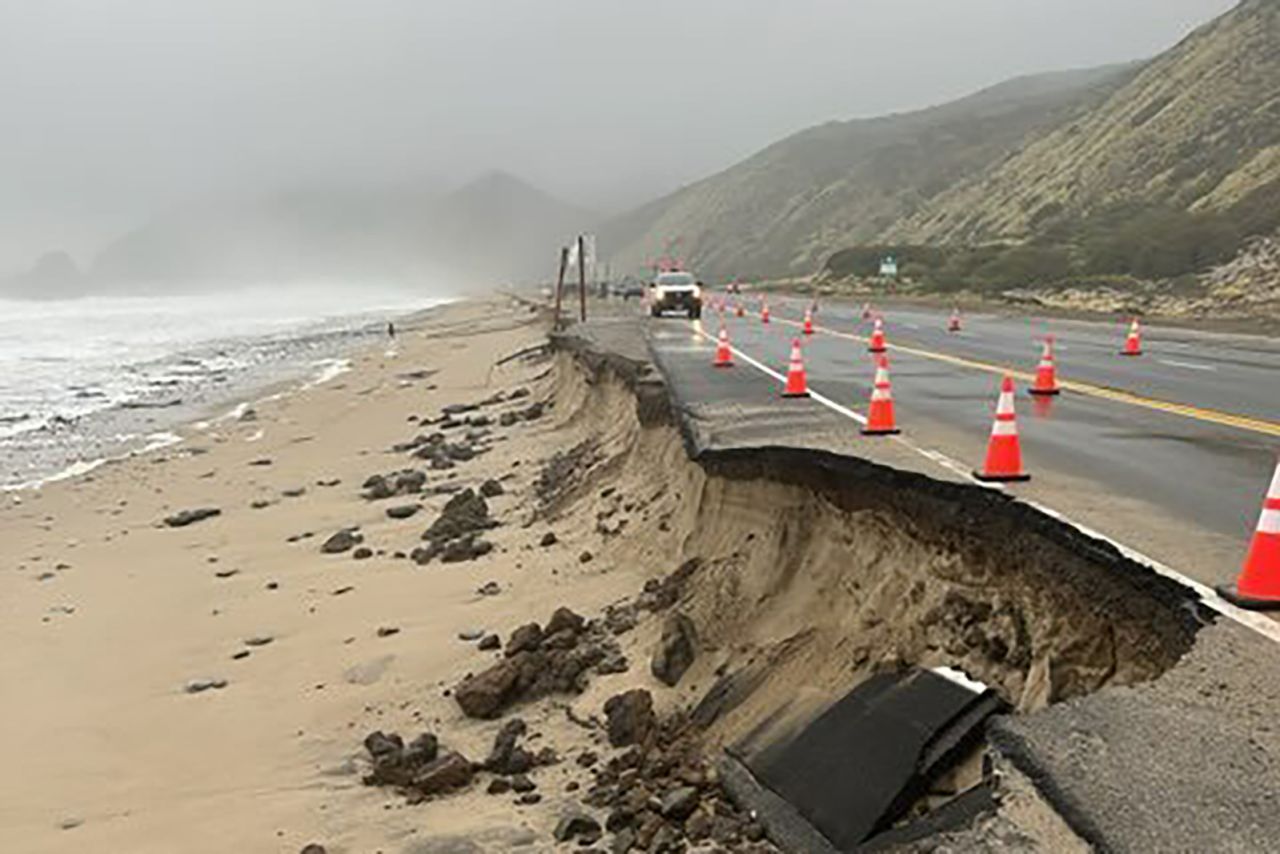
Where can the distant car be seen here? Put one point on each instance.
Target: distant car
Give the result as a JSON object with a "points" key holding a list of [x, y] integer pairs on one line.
{"points": [[628, 289], [676, 291]]}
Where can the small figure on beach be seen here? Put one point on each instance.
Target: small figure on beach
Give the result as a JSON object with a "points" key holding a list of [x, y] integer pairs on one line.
{"points": [[391, 329]]}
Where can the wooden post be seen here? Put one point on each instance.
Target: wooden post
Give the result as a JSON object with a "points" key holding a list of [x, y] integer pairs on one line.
{"points": [[564, 262], [582, 277]]}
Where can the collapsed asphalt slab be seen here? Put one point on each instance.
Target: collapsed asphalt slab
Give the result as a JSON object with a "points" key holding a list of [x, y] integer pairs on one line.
{"points": [[1185, 761], [853, 771]]}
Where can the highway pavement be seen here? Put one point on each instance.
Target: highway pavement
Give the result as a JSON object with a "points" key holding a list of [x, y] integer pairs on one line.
{"points": [[1168, 453]]}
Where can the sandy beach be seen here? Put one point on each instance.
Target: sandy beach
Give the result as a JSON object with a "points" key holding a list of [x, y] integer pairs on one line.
{"points": [[111, 620]]}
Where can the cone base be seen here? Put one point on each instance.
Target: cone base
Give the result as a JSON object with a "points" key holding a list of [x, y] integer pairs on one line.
{"points": [[1129, 353], [722, 364], [795, 394], [1232, 594], [877, 349], [881, 431], [1044, 392], [1001, 478]]}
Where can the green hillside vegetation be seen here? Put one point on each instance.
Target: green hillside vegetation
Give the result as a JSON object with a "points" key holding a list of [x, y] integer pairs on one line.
{"points": [[1125, 243]]}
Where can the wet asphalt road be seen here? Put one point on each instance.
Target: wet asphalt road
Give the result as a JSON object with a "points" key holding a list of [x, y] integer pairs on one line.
{"points": [[1202, 473]]}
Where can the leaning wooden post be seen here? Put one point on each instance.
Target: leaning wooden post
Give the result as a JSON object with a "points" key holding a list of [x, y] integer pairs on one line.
{"points": [[564, 263]]}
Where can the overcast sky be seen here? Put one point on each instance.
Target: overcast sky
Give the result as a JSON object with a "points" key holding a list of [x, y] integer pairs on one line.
{"points": [[111, 110]]}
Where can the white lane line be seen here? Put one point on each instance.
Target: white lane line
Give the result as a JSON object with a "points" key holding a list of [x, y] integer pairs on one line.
{"points": [[1194, 366], [760, 366], [1257, 622], [934, 456]]}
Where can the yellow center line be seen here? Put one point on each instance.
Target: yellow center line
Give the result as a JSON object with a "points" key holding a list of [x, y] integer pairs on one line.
{"points": [[1199, 413]]}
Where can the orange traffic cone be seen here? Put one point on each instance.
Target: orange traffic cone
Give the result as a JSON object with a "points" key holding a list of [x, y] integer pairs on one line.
{"points": [[808, 321], [953, 325], [880, 420], [724, 355], [1258, 586], [877, 338], [797, 383], [1004, 451], [764, 311], [739, 311], [1133, 341], [1046, 372]]}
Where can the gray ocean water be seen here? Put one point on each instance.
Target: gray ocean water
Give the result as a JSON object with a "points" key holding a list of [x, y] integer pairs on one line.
{"points": [[90, 379]]}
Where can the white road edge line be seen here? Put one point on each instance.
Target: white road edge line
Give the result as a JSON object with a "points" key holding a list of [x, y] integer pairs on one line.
{"points": [[1189, 365], [1258, 623]]}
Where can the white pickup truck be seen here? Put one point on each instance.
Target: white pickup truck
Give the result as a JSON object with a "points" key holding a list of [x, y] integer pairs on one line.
{"points": [[675, 291]]}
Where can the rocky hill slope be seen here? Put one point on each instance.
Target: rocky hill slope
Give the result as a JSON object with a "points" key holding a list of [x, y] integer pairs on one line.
{"points": [[786, 208], [1198, 129]]}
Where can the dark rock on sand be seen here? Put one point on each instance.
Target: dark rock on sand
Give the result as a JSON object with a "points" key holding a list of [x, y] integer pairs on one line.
{"points": [[450, 771], [454, 535], [488, 693], [676, 649], [548, 539], [524, 639], [489, 642], [404, 482], [362, 553], [679, 803], [189, 517], [491, 488], [419, 767], [536, 664], [344, 540], [579, 826], [507, 756], [403, 511], [313, 848], [198, 686], [629, 717], [563, 619]]}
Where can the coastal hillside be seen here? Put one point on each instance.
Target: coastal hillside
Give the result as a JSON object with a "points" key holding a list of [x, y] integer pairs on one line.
{"points": [[1198, 130], [1146, 187], [786, 208]]}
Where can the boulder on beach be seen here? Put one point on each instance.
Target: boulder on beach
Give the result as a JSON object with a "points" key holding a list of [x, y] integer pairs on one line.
{"points": [[189, 517]]}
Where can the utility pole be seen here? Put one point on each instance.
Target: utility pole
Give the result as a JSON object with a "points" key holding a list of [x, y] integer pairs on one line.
{"points": [[582, 277], [564, 262]]}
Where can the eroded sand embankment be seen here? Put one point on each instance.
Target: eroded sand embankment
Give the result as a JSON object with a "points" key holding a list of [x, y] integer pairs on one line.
{"points": [[804, 572]]}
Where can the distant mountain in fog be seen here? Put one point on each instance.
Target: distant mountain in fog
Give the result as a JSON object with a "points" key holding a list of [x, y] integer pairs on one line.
{"points": [[53, 275], [494, 229]]}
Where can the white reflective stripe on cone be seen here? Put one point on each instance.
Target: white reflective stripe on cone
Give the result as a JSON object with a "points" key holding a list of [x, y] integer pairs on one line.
{"points": [[1004, 428], [1269, 522], [1005, 406]]}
